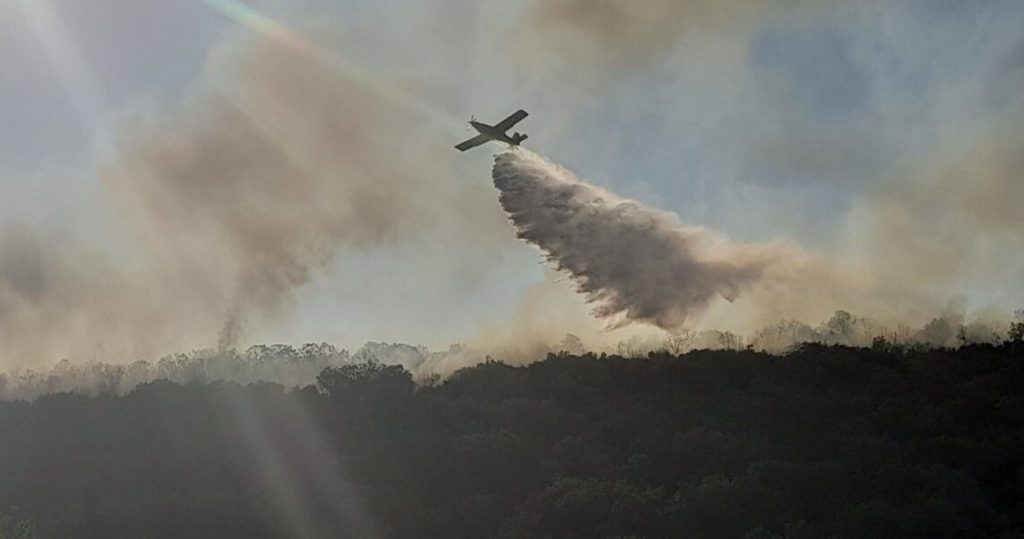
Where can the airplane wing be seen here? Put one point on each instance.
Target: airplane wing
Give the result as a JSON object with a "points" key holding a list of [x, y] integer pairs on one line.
{"points": [[472, 143], [511, 120]]}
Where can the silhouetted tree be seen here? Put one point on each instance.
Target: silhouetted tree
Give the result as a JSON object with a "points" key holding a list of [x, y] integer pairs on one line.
{"points": [[826, 441]]}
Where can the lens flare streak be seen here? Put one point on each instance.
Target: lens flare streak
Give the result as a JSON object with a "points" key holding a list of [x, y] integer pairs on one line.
{"points": [[264, 25], [64, 56]]}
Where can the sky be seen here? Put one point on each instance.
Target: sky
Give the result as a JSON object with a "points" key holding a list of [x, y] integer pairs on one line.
{"points": [[178, 175]]}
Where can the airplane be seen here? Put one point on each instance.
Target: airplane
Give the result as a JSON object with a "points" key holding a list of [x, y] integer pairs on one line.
{"points": [[494, 132]]}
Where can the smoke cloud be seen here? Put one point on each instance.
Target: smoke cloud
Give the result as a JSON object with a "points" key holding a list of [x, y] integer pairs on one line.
{"points": [[254, 187], [622, 35], [227, 201], [61, 298], [273, 168]]}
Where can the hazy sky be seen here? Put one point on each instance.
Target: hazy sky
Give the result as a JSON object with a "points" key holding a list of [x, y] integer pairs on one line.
{"points": [[884, 136]]}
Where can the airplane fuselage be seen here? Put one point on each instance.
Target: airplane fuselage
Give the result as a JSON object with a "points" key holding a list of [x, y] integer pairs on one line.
{"points": [[492, 132], [496, 132]]}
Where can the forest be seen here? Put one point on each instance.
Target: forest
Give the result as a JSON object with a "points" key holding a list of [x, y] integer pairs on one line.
{"points": [[823, 441]]}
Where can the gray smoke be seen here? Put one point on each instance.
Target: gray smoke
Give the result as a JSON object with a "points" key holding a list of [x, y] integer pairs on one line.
{"points": [[270, 170], [299, 366], [257, 210], [272, 166], [632, 262], [614, 37]]}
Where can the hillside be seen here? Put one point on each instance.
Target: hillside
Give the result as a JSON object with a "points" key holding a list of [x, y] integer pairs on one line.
{"points": [[822, 442]]}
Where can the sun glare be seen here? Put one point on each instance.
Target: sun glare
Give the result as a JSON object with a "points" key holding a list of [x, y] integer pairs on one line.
{"points": [[278, 32], [63, 55]]}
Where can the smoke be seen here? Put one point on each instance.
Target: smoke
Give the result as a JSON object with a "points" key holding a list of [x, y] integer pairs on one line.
{"points": [[59, 297], [633, 263], [254, 185], [958, 213], [265, 173], [608, 34], [273, 168], [274, 163], [299, 366], [911, 196]]}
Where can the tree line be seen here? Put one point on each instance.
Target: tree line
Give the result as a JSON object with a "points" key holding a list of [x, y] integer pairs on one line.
{"points": [[826, 441]]}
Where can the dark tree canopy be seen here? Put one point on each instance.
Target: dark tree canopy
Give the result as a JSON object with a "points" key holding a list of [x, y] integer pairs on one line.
{"points": [[827, 441]]}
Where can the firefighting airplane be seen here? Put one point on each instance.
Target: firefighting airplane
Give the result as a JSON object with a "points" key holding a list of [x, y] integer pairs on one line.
{"points": [[494, 132]]}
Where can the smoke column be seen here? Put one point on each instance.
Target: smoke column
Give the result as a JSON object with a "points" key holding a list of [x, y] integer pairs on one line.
{"points": [[632, 262]]}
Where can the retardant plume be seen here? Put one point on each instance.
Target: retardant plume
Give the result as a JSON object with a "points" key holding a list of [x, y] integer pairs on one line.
{"points": [[634, 263]]}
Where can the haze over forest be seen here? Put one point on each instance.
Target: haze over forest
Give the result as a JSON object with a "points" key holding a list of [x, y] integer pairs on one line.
{"points": [[216, 175]]}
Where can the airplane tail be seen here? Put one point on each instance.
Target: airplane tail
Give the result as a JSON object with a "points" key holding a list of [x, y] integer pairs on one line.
{"points": [[517, 137]]}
